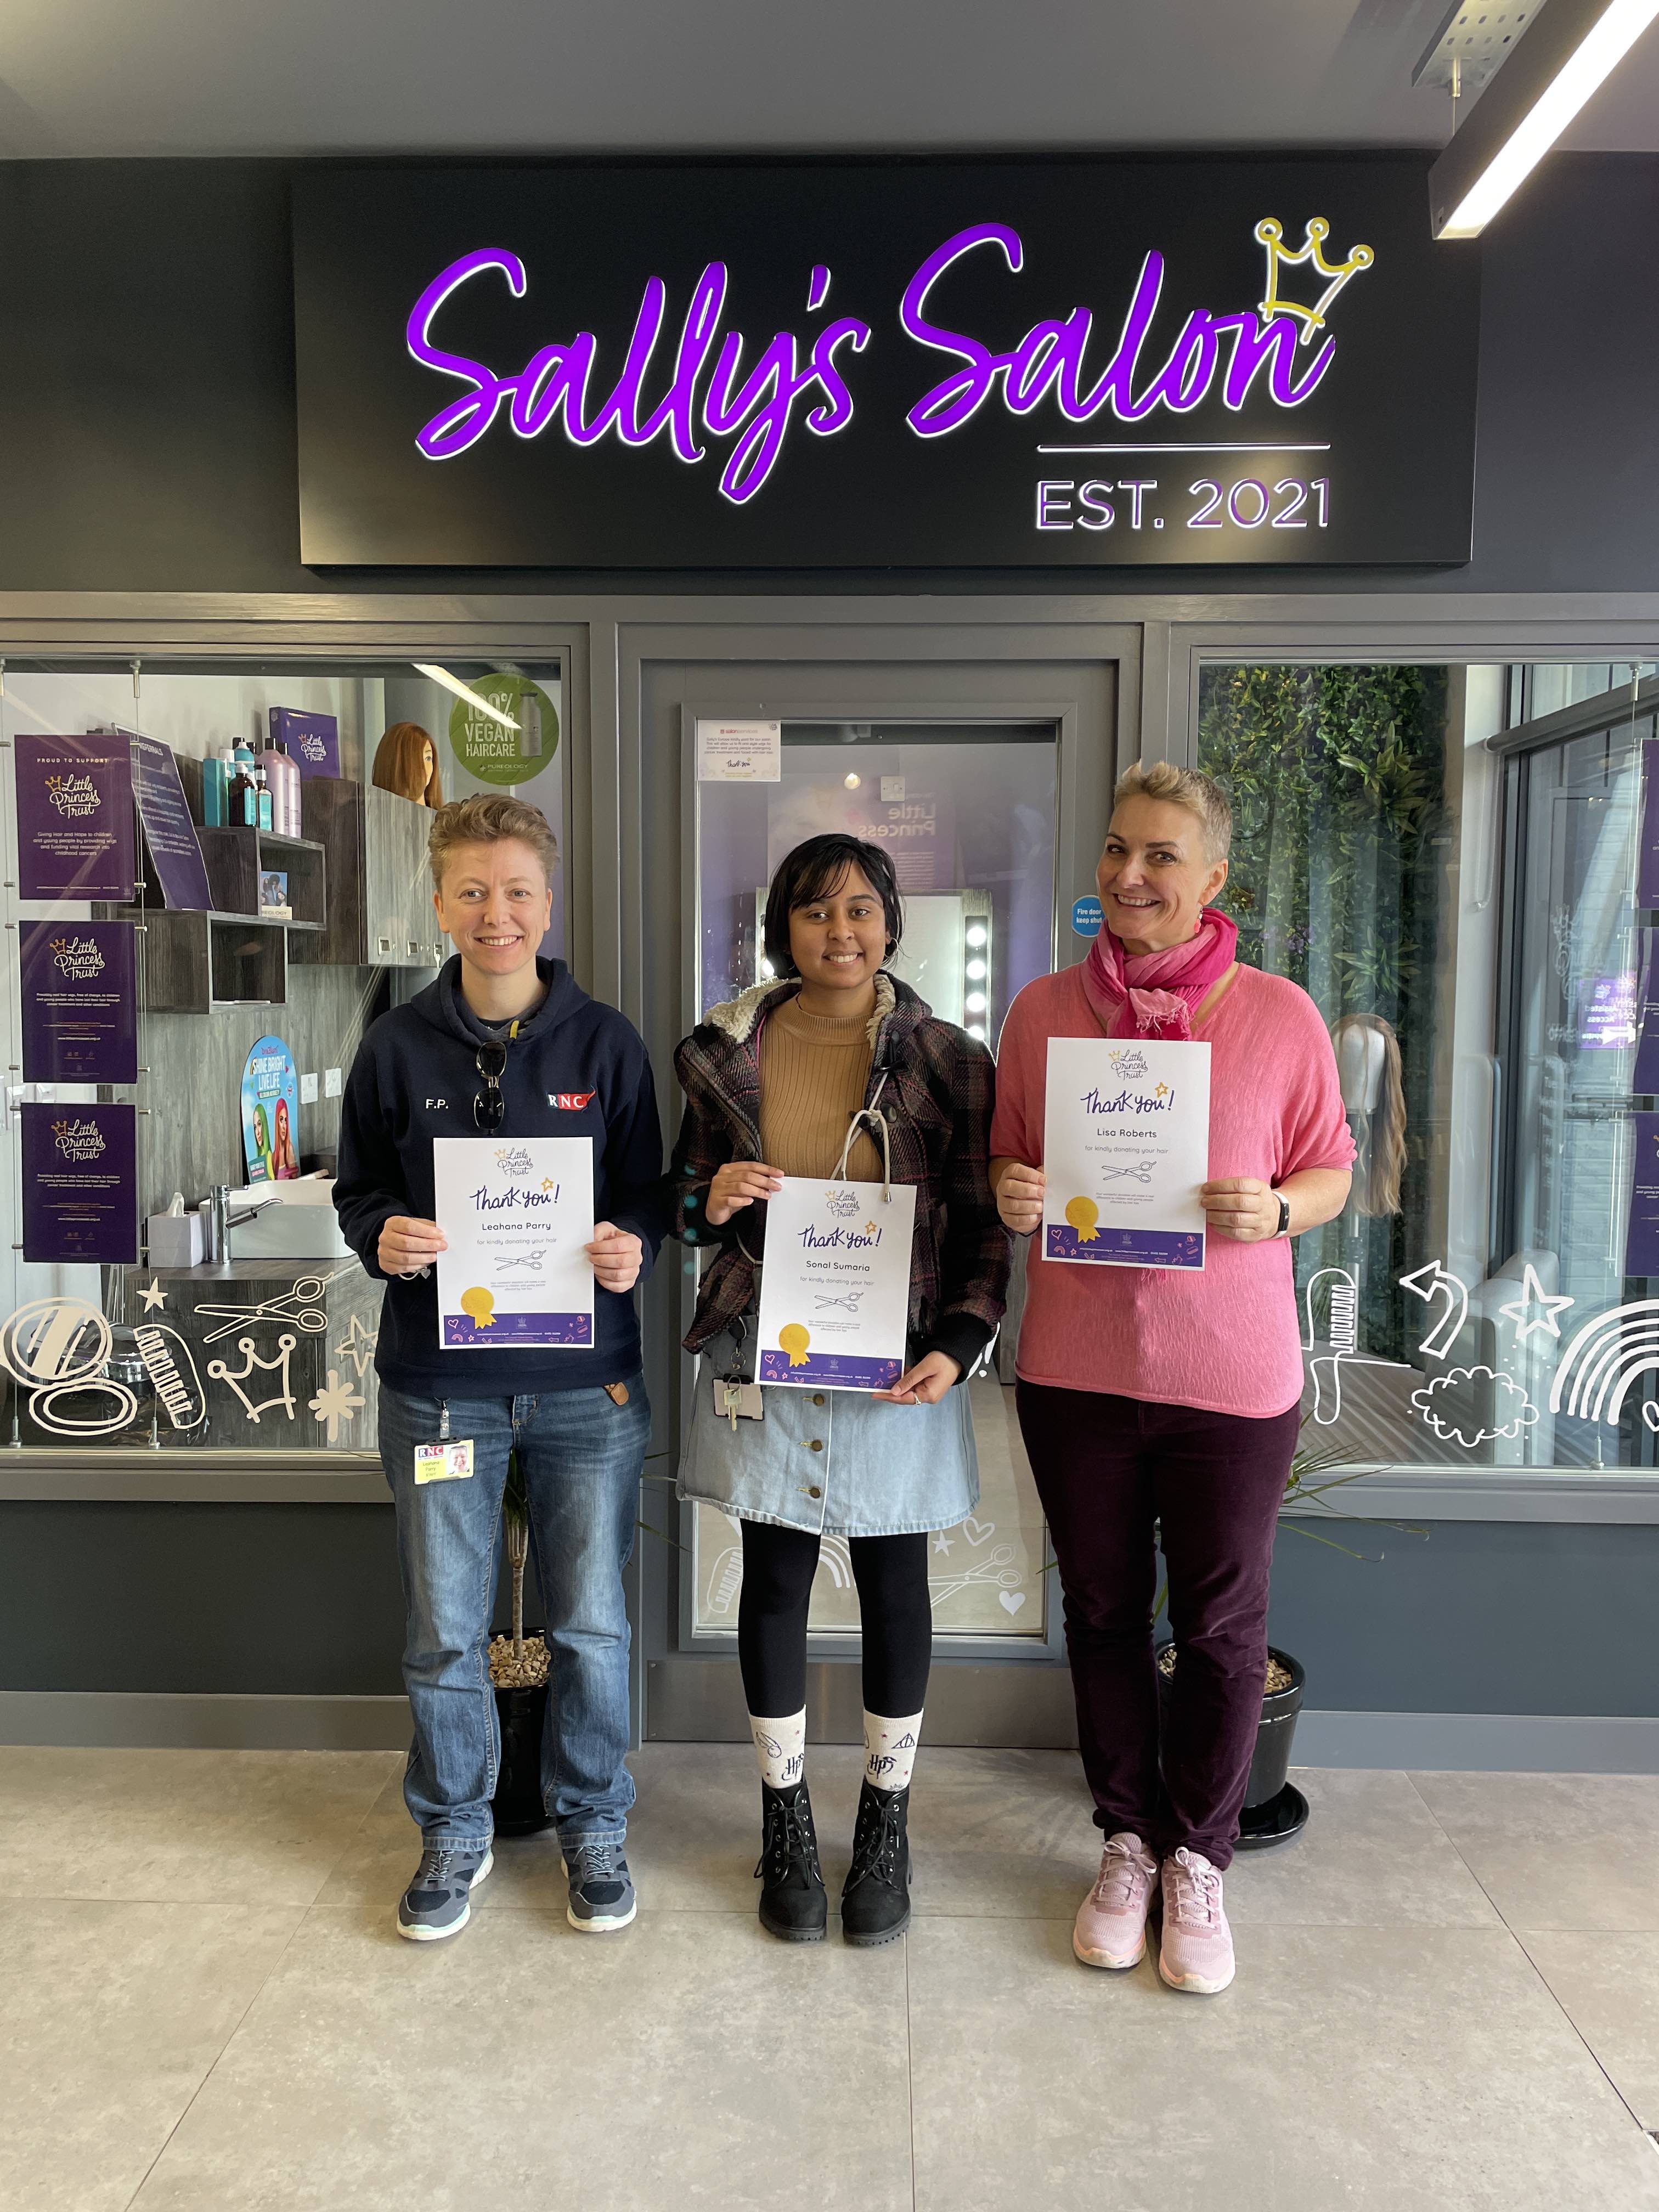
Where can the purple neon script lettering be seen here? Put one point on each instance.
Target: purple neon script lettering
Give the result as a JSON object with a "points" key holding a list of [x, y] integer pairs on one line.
{"points": [[465, 421], [769, 387], [835, 409], [818, 291], [1185, 379], [955, 401], [555, 376], [1275, 344], [621, 412], [678, 408]]}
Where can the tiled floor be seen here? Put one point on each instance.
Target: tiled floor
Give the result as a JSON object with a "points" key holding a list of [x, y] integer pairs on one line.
{"points": [[1447, 2000]]}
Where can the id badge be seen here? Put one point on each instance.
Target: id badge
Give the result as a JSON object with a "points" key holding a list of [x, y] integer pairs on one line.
{"points": [[444, 1462]]}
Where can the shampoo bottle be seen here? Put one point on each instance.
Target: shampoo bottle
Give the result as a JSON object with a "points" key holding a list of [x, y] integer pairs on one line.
{"points": [[213, 791]]}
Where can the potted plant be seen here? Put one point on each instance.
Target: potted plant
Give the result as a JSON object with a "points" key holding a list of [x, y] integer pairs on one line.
{"points": [[1275, 1809], [518, 1669]]}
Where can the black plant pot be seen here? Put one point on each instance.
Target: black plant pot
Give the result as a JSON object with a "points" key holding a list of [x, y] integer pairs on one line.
{"points": [[518, 1806], [1274, 1808]]}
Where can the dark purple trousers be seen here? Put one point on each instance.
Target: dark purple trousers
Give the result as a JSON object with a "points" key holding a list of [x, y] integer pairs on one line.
{"points": [[1107, 1468]]}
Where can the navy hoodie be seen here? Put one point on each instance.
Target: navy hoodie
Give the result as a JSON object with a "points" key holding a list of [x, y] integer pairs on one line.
{"points": [[576, 1069]]}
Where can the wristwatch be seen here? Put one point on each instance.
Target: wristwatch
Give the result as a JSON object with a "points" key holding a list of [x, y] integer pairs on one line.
{"points": [[1284, 1228]]}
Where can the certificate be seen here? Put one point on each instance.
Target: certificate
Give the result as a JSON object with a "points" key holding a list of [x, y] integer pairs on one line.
{"points": [[1126, 1148], [516, 1212], [835, 1304]]}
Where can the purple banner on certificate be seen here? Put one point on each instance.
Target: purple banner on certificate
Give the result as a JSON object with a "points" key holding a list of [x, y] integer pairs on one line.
{"points": [[463, 1333], [1642, 1237], [312, 740], [80, 1004], [828, 1370], [81, 1184], [168, 830], [1120, 1248], [75, 836]]}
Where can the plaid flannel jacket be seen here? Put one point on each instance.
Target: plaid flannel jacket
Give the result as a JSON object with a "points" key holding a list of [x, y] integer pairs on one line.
{"points": [[935, 1086]]}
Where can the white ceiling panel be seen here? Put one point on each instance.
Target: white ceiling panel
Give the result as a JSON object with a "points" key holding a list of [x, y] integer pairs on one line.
{"points": [[88, 77]]}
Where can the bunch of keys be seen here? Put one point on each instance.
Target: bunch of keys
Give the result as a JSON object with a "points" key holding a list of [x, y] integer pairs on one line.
{"points": [[739, 1402]]}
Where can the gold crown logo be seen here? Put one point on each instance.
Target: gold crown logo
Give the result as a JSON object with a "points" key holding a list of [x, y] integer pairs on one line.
{"points": [[1270, 233]]}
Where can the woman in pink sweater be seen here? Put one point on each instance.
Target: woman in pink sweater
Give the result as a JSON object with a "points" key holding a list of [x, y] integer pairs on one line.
{"points": [[1148, 1395]]}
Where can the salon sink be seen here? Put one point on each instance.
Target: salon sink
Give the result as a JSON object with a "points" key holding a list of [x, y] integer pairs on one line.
{"points": [[296, 1220]]}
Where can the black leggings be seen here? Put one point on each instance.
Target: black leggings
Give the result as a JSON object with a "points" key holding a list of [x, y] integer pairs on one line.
{"points": [[897, 1615]]}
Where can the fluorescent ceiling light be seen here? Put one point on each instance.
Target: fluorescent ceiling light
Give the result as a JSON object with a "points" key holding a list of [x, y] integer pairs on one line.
{"points": [[465, 691], [1567, 51]]}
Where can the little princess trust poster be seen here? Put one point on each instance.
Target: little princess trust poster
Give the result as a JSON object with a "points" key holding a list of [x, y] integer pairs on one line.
{"points": [[80, 1184], [1125, 1149], [80, 1004], [75, 830]]}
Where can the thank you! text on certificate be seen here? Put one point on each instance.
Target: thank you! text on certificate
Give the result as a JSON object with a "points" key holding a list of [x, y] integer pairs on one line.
{"points": [[835, 1288], [1126, 1151], [518, 1213]]}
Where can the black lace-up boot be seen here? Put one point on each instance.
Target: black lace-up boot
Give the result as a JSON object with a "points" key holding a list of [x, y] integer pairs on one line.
{"points": [[793, 1903], [875, 1905]]}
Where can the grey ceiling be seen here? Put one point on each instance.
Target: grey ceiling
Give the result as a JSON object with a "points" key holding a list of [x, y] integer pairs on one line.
{"points": [[81, 77]]}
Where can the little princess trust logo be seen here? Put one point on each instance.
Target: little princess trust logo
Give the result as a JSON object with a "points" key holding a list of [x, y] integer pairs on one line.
{"points": [[513, 1160], [77, 959], [1125, 1060], [79, 1141], [73, 795]]}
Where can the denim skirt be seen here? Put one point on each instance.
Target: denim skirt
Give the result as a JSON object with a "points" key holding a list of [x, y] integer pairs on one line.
{"points": [[833, 1463]]}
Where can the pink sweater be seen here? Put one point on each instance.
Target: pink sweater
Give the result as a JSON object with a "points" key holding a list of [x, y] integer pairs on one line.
{"points": [[1226, 1338]]}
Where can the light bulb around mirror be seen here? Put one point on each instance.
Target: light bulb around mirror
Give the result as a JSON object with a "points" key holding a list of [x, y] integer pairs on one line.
{"points": [[975, 970]]}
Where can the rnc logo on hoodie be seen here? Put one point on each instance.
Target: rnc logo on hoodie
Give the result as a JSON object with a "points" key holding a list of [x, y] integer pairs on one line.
{"points": [[570, 1101]]}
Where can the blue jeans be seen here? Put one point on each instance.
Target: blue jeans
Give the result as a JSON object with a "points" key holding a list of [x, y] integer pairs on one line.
{"points": [[580, 1454]]}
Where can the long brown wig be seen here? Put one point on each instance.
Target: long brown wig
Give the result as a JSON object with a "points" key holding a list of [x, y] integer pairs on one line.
{"points": [[399, 766]]}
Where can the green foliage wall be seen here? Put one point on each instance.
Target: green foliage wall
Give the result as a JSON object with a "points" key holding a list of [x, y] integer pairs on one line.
{"points": [[1337, 780]]}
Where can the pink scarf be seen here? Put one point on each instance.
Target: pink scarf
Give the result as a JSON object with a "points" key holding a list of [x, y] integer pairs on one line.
{"points": [[1157, 993]]}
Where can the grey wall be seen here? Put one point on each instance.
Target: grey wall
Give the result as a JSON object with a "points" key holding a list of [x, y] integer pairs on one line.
{"points": [[147, 437]]}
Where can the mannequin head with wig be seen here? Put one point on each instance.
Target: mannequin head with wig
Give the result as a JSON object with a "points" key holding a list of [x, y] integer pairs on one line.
{"points": [[406, 761]]}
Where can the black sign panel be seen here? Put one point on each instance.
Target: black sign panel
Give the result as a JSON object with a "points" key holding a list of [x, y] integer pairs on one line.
{"points": [[1090, 363]]}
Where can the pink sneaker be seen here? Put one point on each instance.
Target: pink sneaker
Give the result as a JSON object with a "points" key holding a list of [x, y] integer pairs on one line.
{"points": [[1195, 1951], [1111, 1921]]}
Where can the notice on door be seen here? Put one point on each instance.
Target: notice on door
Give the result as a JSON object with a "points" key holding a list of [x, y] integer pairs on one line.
{"points": [[740, 752]]}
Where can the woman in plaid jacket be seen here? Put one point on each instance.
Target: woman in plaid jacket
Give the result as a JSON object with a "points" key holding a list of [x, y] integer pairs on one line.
{"points": [[837, 1069]]}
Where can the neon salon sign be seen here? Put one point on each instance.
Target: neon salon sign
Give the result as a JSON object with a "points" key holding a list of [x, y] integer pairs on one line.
{"points": [[699, 378]]}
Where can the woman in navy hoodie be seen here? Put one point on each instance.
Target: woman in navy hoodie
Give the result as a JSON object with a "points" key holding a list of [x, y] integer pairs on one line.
{"points": [[507, 1044]]}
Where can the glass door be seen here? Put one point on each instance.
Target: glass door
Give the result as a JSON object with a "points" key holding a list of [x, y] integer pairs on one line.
{"points": [[967, 811]]}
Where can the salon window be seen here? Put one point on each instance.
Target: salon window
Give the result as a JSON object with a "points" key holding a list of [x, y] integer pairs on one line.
{"points": [[1468, 917]]}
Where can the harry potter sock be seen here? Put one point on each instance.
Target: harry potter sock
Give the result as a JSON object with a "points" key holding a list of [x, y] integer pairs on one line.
{"points": [[781, 1747], [890, 1750]]}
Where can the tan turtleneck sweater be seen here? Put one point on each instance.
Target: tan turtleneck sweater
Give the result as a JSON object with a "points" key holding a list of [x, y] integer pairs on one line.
{"points": [[815, 1070]]}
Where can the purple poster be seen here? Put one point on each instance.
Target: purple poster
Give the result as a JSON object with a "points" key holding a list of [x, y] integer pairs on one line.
{"points": [[168, 830], [312, 740], [1645, 1081], [73, 817], [81, 1184], [1641, 1239], [1647, 887], [80, 1003]]}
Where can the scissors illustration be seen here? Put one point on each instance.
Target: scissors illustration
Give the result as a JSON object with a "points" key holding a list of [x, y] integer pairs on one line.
{"points": [[848, 1303], [997, 1568], [294, 1307], [1136, 1172]]}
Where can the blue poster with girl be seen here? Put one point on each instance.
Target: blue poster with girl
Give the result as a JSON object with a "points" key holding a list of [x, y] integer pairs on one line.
{"points": [[271, 1112]]}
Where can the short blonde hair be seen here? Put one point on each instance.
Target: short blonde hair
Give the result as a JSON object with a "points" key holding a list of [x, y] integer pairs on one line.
{"points": [[483, 820], [1190, 787]]}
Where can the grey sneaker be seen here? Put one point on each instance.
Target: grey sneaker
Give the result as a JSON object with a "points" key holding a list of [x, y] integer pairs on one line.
{"points": [[439, 1901], [601, 1893]]}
